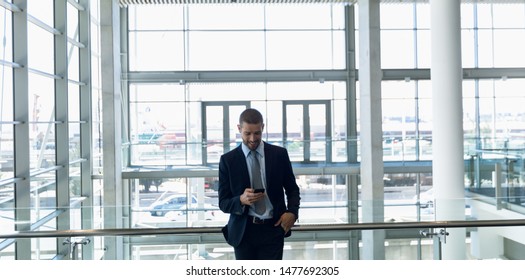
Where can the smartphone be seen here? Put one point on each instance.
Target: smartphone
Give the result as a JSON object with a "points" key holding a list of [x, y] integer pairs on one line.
{"points": [[258, 190]]}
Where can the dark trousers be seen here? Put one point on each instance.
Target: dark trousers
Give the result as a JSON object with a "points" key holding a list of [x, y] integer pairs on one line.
{"points": [[261, 242]]}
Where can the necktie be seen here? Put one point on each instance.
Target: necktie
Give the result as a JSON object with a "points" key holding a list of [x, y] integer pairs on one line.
{"points": [[260, 206]]}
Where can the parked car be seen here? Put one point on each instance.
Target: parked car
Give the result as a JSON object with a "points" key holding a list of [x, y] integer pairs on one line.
{"points": [[426, 199], [175, 206]]}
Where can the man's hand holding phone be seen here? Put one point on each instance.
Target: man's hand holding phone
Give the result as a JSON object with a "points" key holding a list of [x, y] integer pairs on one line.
{"points": [[250, 196]]}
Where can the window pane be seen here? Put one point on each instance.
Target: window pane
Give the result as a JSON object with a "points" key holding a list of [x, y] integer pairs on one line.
{"points": [[227, 92], [339, 134], [304, 16], [399, 126], [510, 88], [214, 40], [397, 49], [324, 198], [484, 15], [156, 51], [6, 34], [194, 134], [485, 48], [222, 17], [7, 213], [157, 134], [302, 50], [468, 46], [469, 114], [6, 95], [226, 50], [152, 117], [304, 91], [508, 48], [425, 119], [74, 141], [397, 16], [155, 17], [74, 119], [274, 122], [486, 88], [72, 22], [294, 132], [318, 124], [6, 152], [508, 16], [486, 108], [42, 10], [467, 15], [510, 102], [156, 92], [423, 49], [469, 121], [73, 64], [42, 116], [74, 102], [40, 49]]}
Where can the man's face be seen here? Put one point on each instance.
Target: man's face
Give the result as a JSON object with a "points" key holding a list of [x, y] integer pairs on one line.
{"points": [[251, 134]]}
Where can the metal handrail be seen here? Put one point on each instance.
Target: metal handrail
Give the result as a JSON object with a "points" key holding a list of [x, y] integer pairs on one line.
{"points": [[202, 230]]}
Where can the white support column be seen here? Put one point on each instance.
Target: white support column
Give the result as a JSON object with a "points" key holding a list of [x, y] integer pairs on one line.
{"points": [[111, 122], [62, 125], [21, 130], [86, 135], [371, 137], [447, 136]]}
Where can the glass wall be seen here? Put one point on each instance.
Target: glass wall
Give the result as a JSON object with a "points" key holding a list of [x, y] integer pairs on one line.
{"points": [[194, 71], [191, 69], [407, 115], [7, 123], [235, 37], [204, 113], [45, 105]]}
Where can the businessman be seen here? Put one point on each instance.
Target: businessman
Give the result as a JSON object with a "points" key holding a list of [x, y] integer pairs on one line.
{"points": [[254, 180]]}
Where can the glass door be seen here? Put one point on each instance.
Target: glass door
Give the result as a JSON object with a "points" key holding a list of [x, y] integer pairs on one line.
{"points": [[220, 133], [307, 130]]}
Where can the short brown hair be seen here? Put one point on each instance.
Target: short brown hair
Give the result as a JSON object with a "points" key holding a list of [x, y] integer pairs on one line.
{"points": [[251, 116]]}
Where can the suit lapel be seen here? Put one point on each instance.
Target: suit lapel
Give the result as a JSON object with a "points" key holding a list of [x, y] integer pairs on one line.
{"points": [[267, 163], [243, 166]]}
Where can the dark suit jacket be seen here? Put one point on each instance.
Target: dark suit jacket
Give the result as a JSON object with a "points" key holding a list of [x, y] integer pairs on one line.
{"points": [[234, 179]]}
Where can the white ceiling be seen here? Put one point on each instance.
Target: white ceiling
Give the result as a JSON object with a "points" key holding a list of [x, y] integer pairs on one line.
{"points": [[125, 3]]}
